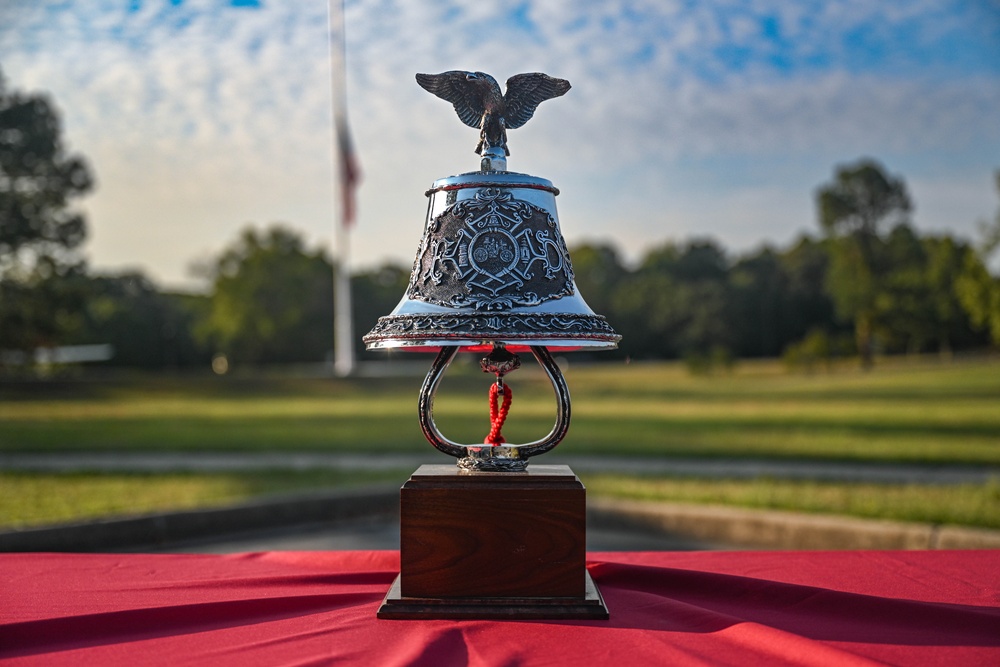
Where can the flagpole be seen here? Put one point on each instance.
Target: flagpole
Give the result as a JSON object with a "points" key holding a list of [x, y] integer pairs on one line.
{"points": [[343, 319]]}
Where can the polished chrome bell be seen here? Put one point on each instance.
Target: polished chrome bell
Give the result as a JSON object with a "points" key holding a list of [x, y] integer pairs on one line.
{"points": [[492, 272], [492, 267]]}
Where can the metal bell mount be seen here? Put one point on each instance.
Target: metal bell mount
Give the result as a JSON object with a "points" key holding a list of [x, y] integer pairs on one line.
{"points": [[492, 272]]}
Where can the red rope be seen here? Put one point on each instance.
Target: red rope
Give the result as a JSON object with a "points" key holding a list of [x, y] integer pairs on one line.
{"points": [[498, 415]]}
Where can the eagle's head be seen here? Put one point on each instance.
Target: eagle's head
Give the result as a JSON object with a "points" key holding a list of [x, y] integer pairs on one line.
{"points": [[482, 80]]}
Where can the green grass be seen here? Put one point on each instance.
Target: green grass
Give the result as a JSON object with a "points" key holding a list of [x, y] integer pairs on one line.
{"points": [[32, 499], [925, 411], [967, 504], [903, 411]]}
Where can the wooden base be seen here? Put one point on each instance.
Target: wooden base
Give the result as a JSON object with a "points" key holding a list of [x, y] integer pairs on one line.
{"points": [[493, 545], [590, 607]]}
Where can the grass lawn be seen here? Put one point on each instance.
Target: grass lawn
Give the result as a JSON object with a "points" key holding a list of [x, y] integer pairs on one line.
{"points": [[31, 499], [967, 504], [902, 411], [28, 499], [912, 411]]}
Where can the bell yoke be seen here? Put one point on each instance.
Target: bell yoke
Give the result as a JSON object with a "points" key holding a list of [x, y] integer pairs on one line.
{"points": [[492, 272]]}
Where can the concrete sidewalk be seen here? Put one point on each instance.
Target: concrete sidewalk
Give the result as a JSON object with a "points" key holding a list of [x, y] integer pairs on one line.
{"points": [[744, 527], [711, 468], [360, 518]]}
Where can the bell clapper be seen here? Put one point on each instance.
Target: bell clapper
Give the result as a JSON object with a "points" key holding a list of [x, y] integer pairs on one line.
{"points": [[500, 361]]}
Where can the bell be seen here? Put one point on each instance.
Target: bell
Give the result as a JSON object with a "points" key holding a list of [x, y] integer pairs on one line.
{"points": [[492, 272], [492, 268]]}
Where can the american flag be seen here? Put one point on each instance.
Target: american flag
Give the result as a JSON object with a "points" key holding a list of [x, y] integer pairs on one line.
{"points": [[349, 170]]}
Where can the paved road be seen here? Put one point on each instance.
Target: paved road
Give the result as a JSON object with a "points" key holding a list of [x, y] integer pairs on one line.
{"points": [[899, 473]]}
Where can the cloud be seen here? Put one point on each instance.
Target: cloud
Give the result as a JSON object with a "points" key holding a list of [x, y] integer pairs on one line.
{"points": [[680, 91], [200, 117]]}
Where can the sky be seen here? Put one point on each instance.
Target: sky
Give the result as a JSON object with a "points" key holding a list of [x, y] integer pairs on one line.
{"points": [[687, 119]]}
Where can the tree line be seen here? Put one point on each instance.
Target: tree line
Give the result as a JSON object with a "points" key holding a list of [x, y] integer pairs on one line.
{"points": [[866, 283]]}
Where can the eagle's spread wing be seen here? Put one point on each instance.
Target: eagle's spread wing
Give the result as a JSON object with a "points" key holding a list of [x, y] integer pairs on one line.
{"points": [[525, 92], [454, 87]]}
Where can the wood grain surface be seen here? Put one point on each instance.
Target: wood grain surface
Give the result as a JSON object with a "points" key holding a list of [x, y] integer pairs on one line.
{"points": [[471, 535]]}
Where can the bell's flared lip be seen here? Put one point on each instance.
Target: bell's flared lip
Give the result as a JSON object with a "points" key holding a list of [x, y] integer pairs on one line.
{"points": [[433, 330], [481, 345]]}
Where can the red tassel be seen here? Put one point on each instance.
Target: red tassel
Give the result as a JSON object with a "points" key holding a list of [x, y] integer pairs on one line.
{"points": [[498, 415]]}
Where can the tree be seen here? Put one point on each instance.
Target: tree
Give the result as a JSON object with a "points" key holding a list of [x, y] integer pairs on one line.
{"points": [[758, 285], [951, 323], [676, 303], [146, 327], [810, 307], [375, 293], [855, 211], [39, 309], [645, 317], [978, 289], [271, 300], [903, 311], [918, 308], [37, 182], [40, 232], [696, 261], [599, 273]]}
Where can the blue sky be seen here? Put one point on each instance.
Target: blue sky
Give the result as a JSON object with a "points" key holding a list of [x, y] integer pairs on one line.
{"points": [[686, 119]]}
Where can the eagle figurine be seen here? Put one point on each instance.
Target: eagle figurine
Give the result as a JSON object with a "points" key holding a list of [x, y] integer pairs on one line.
{"points": [[479, 103]]}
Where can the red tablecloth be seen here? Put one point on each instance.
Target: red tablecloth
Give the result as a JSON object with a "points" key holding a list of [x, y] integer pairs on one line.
{"points": [[854, 608]]}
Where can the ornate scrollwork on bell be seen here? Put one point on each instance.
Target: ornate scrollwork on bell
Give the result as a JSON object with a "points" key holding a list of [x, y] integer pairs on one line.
{"points": [[491, 252], [492, 271], [492, 267]]}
